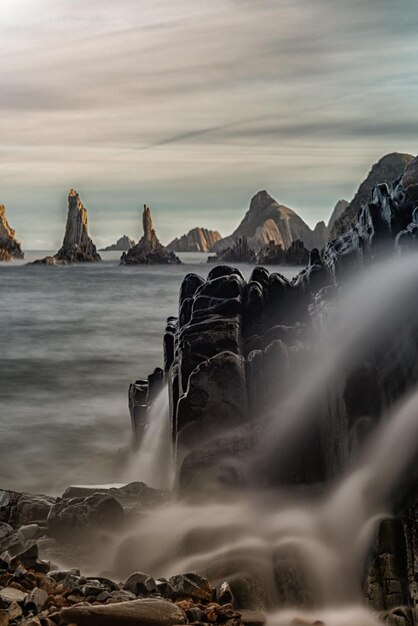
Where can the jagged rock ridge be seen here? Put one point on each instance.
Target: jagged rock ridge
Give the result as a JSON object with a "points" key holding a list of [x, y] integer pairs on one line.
{"points": [[386, 170], [148, 250], [234, 349], [123, 243], [9, 246], [267, 220], [196, 240]]}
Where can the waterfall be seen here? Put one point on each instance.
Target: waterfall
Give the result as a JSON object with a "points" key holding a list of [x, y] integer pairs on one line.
{"points": [[152, 461]]}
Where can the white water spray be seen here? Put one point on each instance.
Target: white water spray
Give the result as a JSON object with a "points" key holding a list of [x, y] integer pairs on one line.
{"points": [[306, 548], [152, 462]]}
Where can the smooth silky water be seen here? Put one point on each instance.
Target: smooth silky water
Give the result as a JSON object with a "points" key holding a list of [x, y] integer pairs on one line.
{"points": [[75, 410]]}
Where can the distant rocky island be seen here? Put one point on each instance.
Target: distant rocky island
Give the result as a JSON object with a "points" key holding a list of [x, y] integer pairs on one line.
{"points": [[149, 250], [77, 246], [123, 244], [10, 248], [269, 221], [196, 240]]}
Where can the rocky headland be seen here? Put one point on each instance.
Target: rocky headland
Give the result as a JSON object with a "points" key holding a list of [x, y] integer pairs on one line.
{"points": [[235, 348], [149, 250], [10, 248], [77, 246], [269, 221], [196, 240], [386, 170], [123, 244]]}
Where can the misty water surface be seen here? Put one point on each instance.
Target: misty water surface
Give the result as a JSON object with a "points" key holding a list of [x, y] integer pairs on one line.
{"points": [[72, 339]]}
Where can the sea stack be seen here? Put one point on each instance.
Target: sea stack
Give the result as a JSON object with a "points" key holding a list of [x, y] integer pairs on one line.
{"points": [[148, 250], [10, 248], [196, 240], [123, 243], [77, 246]]}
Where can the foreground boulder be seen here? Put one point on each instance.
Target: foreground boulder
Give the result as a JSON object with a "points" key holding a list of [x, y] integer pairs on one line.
{"points": [[148, 612], [10, 248], [148, 250], [77, 246]]}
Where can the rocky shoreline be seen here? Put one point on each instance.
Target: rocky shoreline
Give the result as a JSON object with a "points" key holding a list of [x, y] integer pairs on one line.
{"points": [[34, 591]]}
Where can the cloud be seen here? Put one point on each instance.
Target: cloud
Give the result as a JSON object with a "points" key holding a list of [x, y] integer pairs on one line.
{"points": [[170, 99]]}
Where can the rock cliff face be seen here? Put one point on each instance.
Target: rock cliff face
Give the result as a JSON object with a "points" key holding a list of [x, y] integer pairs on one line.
{"points": [[196, 240], [338, 210], [236, 347], [9, 247], [148, 250], [388, 169], [77, 246], [123, 243], [267, 220]]}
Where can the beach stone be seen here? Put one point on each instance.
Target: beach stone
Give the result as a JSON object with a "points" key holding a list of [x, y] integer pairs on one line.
{"points": [[190, 585], [5, 561], [10, 594], [5, 531], [140, 584], [61, 574], [14, 611], [224, 594], [147, 612], [30, 509], [81, 518], [36, 600], [4, 618]]}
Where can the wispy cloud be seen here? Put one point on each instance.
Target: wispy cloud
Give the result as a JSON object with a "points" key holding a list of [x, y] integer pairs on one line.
{"points": [[197, 104]]}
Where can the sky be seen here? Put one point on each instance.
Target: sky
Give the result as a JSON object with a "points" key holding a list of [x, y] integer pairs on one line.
{"points": [[192, 106]]}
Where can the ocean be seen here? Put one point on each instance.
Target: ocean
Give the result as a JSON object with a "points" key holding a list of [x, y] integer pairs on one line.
{"points": [[71, 340]]}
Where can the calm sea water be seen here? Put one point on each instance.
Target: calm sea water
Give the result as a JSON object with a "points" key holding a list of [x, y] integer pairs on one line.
{"points": [[71, 340]]}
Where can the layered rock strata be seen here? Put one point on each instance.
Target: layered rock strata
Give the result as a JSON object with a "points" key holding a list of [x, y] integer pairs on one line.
{"points": [[196, 240], [10, 248], [267, 220], [77, 246], [148, 250]]}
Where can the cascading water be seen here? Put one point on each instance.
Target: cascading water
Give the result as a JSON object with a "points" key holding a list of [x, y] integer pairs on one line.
{"points": [[152, 462], [304, 547]]}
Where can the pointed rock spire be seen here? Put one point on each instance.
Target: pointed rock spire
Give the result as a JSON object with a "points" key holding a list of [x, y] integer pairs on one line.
{"points": [[77, 245], [148, 250], [9, 246]]}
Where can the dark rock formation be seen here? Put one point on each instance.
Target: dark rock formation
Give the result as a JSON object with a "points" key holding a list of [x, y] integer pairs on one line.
{"points": [[337, 212], [10, 248], [196, 240], [77, 246], [386, 170], [267, 220], [274, 254], [123, 243], [234, 350], [389, 221], [148, 250], [239, 252]]}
